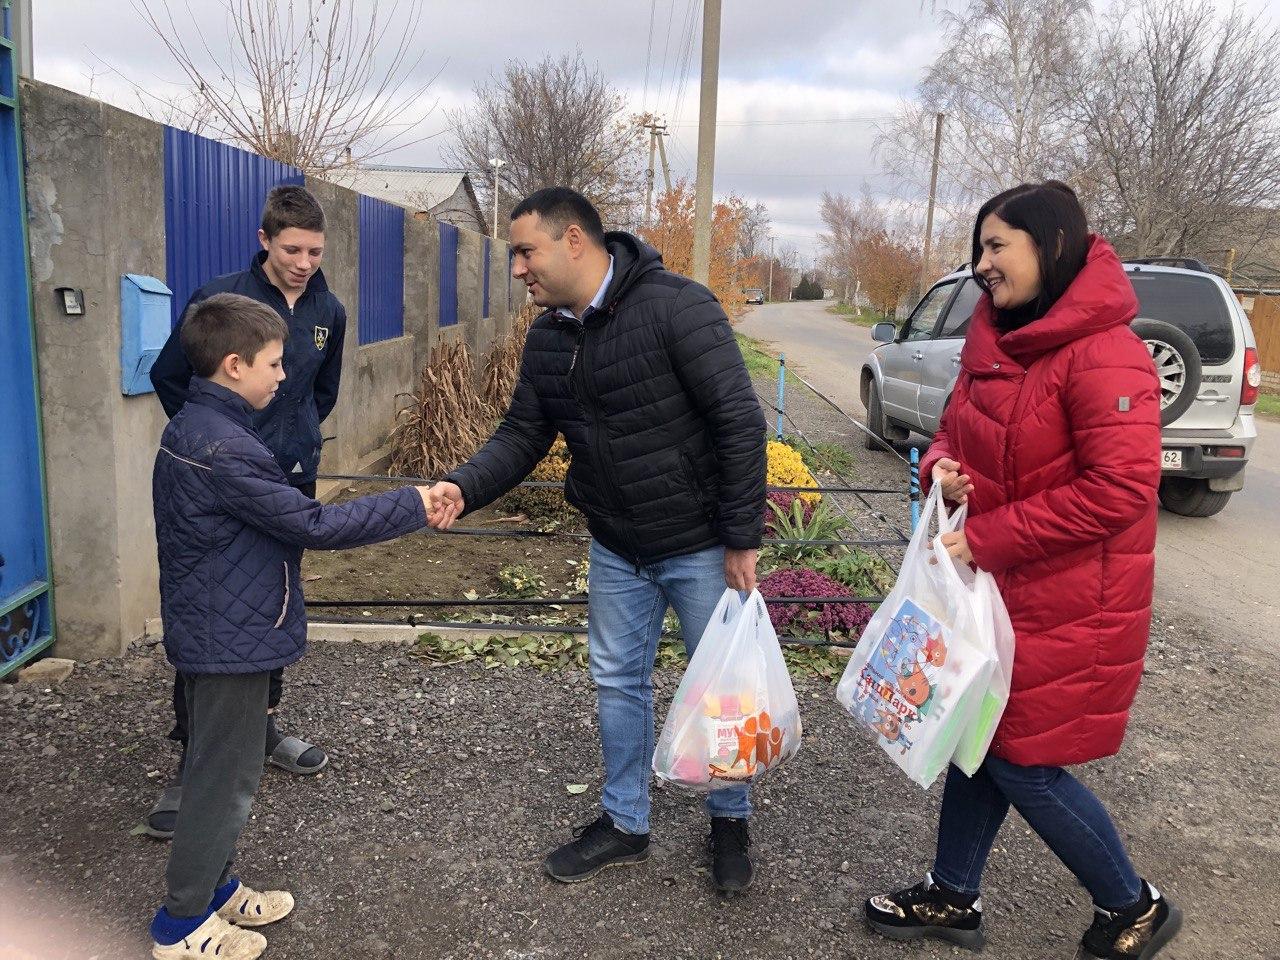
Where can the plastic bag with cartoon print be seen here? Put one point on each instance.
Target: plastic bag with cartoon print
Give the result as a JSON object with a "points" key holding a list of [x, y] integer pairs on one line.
{"points": [[734, 716], [923, 665]]}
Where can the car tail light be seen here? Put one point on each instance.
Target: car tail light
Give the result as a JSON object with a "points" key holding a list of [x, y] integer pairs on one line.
{"points": [[1252, 377], [1236, 452]]}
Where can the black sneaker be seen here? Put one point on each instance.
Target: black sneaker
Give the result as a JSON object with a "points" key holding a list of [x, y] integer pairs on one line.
{"points": [[1138, 933], [595, 845], [730, 845], [926, 910]]}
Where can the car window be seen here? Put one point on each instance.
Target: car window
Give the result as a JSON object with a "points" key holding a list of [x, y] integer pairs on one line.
{"points": [[925, 317], [1194, 305], [956, 325]]}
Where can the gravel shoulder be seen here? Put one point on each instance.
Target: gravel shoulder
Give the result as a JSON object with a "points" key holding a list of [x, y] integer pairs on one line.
{"points": [[423, 838]]}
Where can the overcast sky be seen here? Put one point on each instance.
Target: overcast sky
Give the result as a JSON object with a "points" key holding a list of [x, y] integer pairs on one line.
{"points": [[801, 83]]}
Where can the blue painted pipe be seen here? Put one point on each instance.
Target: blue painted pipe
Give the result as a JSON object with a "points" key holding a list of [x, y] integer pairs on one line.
{"points": [[915, 487], [782, 382]]}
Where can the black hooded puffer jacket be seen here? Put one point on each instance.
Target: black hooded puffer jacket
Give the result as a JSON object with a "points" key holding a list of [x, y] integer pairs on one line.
{"points": [[654, 400]]}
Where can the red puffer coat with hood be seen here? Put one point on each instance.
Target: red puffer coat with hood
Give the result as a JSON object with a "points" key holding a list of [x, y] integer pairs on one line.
{"points": [[1058, 424]]}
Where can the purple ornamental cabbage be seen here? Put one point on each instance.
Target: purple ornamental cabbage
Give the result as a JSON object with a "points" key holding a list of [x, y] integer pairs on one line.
{"points": [[803, 619]]}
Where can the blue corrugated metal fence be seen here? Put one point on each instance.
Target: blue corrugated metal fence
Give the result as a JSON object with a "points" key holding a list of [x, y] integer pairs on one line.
{"points": [[25, 607], [448, 274], [213, 196], [381, 270]]}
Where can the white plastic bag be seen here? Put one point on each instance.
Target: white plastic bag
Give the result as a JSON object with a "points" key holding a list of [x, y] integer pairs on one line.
{"points": [[923, 664], [734, 715], [977, 736]]}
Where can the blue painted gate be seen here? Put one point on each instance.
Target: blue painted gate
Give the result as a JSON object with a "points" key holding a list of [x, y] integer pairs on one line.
{"points": [[26, 621]]}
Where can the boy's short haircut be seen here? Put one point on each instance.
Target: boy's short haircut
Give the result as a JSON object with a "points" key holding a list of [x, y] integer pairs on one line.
{"points": [[291, 206], [228, 323]]}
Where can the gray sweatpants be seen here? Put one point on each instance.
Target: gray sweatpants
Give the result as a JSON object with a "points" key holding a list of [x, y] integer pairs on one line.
{"points": [[227, 716]]}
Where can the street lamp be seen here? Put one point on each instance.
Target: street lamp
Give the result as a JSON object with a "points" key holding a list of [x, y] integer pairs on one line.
{"points": [[497, 165]]}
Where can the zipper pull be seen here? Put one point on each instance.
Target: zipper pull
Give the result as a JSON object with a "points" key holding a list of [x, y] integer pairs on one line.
{"points": [[577, 345]]}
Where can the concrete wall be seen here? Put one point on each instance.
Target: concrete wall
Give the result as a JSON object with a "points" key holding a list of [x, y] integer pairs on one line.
{"points": [[95, 182], [95, 213]]}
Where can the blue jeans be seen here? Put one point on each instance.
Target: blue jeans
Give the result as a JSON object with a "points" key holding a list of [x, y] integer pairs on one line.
{"points": [[1066, 815], [624, 621]]}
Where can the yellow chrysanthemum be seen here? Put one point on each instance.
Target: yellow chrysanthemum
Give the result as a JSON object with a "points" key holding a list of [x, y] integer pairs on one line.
{"points": [[787, 469]]}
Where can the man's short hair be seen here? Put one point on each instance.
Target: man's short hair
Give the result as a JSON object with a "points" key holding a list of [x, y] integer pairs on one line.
{"points": [[228, 323], [558, 208], [291, 206]]}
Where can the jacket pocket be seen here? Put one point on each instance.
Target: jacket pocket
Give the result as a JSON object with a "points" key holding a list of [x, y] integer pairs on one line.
{"points": [[696, 487], [284, 606], [309, 421]]}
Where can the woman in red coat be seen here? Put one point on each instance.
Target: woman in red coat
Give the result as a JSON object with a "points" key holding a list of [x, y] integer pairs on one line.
{"points": [[1052, 437]]}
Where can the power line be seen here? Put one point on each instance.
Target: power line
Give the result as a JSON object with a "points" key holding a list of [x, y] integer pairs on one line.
{"points": [[648, 57], [687, 58], [666, 46], [864, 176], [867, 118]]}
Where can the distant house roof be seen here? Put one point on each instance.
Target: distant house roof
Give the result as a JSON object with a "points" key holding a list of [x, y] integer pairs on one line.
{"points": [[416, 188]]}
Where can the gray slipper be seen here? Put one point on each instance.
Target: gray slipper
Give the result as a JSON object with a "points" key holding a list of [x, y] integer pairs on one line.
{"points": [[158, 819], [290, 750]]}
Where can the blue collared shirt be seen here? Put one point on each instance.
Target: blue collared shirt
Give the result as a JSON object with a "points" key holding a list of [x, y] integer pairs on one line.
{"points": [[597, 301]]}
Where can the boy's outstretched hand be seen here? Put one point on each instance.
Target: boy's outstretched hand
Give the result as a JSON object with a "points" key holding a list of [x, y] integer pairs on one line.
{"points": [[444, 504]]}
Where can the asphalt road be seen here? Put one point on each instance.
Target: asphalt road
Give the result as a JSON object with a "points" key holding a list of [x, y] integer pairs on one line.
{"points": [[1224, 569]]}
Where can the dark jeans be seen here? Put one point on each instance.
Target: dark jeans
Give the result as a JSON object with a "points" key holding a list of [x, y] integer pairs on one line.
{"points": [[227, 713], [1066, 815], [180, 720]]}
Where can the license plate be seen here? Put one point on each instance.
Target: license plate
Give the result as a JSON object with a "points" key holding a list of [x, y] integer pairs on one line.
{"points": [[1171, 460]]}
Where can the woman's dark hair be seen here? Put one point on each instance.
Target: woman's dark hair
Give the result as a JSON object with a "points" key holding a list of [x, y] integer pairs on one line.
{"points": [[1053, 216]]}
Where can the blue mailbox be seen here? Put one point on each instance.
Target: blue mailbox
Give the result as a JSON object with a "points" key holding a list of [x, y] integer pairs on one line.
{"points": [[144, 327]]}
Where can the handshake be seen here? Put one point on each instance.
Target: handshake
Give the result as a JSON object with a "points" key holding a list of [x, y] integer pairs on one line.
{"points": [[443, 503]]}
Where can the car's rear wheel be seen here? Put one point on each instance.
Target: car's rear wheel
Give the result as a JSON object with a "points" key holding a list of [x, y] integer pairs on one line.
{"points": [[1177, 365], [1189, 497], [881, 432]]}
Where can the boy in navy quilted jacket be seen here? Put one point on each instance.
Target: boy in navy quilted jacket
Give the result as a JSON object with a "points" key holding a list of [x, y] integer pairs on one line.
{"points": [[231, 530]]}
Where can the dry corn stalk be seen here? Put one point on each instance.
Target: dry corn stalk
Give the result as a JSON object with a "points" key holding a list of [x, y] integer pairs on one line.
{"points": [[446, 422], [503, 364]]}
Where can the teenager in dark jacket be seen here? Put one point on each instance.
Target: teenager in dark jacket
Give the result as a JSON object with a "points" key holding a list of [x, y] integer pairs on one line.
{"points": [[285, 276], [638, 368], [231, 530], [1052, 438]]}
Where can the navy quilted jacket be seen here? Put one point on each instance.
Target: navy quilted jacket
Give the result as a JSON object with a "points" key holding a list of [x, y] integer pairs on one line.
{"points": [[655, 403], [290, 424], [231, 531]]}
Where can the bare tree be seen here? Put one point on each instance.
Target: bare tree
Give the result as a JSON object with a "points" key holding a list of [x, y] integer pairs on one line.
{"points": [[848, 224], [1180, 120], [557, 122], [753, 230], [318, 84], [1001, 80]]}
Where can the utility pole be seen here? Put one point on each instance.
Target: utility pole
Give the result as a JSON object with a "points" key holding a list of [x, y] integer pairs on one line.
{"points": [[21, 27], [770, 294], [662, 152], [497, 165], [933, 193], [648, 190], [656, 132], [702, 210]]}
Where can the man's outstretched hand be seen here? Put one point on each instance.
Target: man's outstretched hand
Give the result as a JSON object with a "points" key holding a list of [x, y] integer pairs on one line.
{"points": [[444, 504], [740, 569]]}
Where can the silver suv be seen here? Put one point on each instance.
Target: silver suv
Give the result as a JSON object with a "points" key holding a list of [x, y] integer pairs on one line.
{"points": [[1198, 335]]}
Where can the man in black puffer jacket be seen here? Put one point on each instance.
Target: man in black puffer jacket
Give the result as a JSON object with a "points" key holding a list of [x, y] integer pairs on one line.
{"points": [[639, 369]]}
